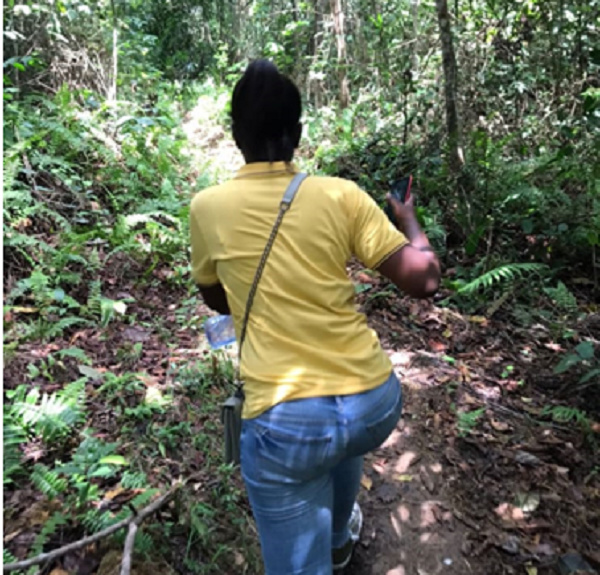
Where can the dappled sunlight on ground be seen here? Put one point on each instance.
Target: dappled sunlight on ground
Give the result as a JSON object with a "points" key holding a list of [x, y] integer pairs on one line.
{"points": [[472, 480]]}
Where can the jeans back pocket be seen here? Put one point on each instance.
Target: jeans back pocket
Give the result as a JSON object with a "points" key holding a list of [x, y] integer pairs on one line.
{"points": [[292, 455], [386, 414]]}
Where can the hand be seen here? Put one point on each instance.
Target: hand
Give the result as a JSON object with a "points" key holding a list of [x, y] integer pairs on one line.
{"points": [[404, 214]]}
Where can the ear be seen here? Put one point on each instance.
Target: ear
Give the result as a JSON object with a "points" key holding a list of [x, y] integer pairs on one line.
{"points": [[297, 134]]}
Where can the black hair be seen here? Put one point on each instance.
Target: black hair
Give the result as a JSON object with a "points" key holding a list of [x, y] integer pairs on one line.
{"points": [[265, 113]]}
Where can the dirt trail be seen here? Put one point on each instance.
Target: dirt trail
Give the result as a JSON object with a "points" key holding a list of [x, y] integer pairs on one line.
{"points": [[506, 492], [410, 526]]}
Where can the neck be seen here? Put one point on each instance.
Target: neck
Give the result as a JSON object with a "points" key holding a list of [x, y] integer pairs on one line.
{"points": [[260, 157]]}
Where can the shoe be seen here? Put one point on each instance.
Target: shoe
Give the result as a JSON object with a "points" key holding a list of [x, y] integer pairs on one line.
{"points": [[356, 522], [342, 556]]}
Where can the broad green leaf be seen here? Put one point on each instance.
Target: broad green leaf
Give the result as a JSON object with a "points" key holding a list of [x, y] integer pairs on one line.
{"points": [[585, 350], [90, 372], [567, 363], [594, 373], [113, 460]]}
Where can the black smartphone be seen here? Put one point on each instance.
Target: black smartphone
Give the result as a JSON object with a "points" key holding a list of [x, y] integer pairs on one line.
{"points": [[400, 189]]}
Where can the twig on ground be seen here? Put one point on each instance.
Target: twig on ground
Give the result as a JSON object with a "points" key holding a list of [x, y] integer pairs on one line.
{"points": [[133, 521]]}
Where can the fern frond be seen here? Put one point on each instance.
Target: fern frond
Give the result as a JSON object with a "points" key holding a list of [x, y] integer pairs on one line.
{"points": [[49, 529], [48, 481], [94, 301], [565, 414], [55, 414], [56, 329], [508, 272], [144, 544], [14, 436], [562, 297], [8, 557], [76, 353], [133, 480]]}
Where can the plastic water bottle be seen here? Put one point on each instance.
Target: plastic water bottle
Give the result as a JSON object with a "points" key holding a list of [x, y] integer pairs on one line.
{"points": [[219, 331]]}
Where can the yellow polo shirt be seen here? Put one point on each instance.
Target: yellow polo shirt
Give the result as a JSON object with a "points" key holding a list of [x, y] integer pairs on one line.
{"points": [[305, 337]]}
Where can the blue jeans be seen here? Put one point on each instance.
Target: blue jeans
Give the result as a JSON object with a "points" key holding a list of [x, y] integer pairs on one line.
{"points": [[302, 465]]}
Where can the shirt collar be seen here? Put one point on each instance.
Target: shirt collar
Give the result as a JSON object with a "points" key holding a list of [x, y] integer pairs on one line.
{"points": [[266, 168]]}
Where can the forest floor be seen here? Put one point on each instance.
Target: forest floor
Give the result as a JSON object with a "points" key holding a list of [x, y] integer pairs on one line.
{"points": [[479, 477]]}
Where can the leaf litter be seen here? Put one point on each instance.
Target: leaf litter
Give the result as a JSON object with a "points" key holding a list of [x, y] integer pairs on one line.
{"points": [[510, 493]]}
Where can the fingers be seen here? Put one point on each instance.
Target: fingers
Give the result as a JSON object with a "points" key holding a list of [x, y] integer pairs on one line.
{"points": [[392, 201]]}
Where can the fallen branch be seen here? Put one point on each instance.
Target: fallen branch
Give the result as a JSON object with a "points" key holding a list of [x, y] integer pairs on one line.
{"points": [[133, 520], [137, 520]]}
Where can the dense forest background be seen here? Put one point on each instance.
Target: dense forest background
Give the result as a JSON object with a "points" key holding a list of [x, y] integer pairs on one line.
{"points": [[116, 113]]}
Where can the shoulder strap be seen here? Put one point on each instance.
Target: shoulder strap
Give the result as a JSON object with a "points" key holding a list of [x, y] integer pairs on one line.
{"points": [[284, 206]]}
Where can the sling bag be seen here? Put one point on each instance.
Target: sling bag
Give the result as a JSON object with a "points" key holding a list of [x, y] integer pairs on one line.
{"points": [[231, 410]]}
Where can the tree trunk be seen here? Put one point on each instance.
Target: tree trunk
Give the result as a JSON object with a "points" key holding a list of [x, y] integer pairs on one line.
{"points": [[414, 9], [112, 90], [450, 85], [342, 57]]}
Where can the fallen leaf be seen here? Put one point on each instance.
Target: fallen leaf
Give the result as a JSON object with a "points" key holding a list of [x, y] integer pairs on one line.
{"points": [[366, 482], [478, 319], [464, 371], [113, 493], [470, 400], [528, 459], [8, 538], [528, 502], [437, 346], [20, 309], [403, 477], [499, 425], [531, 570], [427, 479], [509, 513], [511, 544], [554, 346]]}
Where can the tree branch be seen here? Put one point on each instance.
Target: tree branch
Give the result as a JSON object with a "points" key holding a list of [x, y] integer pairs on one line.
{"points": [[133, 520]]}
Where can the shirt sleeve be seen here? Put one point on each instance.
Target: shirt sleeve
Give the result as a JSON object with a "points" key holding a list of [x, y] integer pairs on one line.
{"points": [[374, 238], [204, 270]]}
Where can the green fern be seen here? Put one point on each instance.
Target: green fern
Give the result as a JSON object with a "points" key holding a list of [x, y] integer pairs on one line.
{"points": [[95, 520], [48, 481], [8, 557], [133, 480], [505, 273], [468, 420], [56, 329], [52, 416], [49, 529], [144, 544], [565, 414], [76, 353], [14, 436], [94, 301], [563, 298]]}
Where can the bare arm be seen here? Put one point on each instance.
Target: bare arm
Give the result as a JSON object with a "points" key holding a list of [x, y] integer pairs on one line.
{"points": [[415, 268]]}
